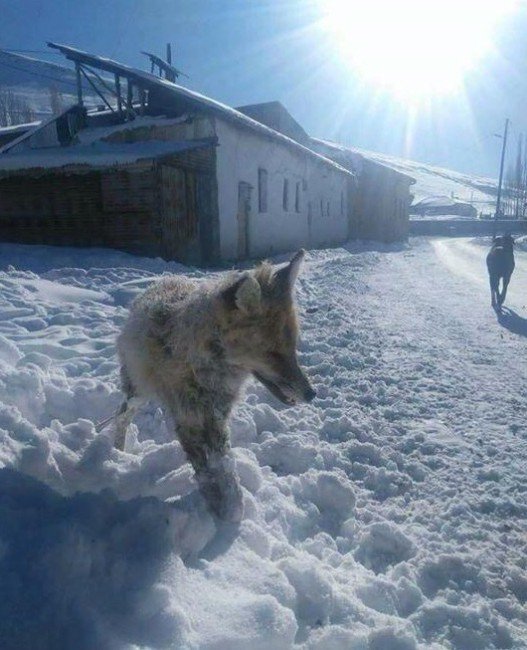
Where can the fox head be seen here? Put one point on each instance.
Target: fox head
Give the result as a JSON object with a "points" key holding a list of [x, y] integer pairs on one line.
{"points": [[260, 329]]}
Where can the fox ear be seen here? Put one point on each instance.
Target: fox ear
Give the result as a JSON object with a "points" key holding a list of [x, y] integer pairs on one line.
{"points": [[245, 294], [284, 279]]}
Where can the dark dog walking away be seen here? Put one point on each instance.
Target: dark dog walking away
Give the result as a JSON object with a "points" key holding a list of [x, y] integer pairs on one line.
{"points": [[500, 264]]}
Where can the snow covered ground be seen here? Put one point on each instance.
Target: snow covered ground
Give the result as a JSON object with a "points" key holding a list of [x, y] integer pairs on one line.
{"points": [[389, 514]]}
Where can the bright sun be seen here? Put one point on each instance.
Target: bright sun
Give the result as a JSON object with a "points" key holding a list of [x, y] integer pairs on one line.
{"points": [[414, 48]]}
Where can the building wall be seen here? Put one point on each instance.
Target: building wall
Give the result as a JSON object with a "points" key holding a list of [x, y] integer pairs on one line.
{"points": [[382, 203], [381, 200], [322, 217]]}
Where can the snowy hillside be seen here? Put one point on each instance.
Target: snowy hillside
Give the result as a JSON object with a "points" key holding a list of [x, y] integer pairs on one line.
{"points": [[388, 514], [436, 181]]}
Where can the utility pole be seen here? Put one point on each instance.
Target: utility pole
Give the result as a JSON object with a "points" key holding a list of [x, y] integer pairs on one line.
{"points": [[498, 200]]}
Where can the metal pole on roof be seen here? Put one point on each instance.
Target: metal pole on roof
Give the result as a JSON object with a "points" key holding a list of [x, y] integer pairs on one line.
{"points": [[498, 200]]}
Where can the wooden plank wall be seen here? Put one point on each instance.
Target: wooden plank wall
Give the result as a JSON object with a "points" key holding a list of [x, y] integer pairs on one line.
{"points": [[124, 208], [94, 209]]}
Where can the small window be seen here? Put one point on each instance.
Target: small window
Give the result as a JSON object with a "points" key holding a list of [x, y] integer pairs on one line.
{"points": [[285, 195], [262, 190], [342, 203], [321, 208], [327, 209], [297, 197]]}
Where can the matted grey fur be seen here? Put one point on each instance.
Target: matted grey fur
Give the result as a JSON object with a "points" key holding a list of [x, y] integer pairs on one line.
{"points": [[191, 345]]}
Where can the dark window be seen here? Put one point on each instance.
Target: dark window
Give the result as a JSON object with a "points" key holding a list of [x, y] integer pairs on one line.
{"points": [[262, 190], [285, 195], [342, 203], [297, 197], [327, 209]]}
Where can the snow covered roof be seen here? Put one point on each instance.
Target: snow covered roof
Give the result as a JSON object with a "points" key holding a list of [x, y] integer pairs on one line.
{"points": [[436, 202], [18, 128], [193, 99], [359, 154], [96, 155]]}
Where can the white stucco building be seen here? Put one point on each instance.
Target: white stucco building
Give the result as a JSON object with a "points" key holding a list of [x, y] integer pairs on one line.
{"points": [[171, 172]]}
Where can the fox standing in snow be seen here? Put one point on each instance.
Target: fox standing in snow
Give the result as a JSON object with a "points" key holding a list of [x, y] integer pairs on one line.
{"points": [[191, 345], [500, 264]]}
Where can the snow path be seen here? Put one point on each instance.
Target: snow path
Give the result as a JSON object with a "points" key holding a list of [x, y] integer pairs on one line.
{"points": [[389, 514]]}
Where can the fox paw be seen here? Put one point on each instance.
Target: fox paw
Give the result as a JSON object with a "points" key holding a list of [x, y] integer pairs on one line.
{"points": [[223, 495]]}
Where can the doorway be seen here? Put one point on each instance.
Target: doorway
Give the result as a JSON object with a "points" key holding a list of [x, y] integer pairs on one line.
{"points": [[244, 210]]}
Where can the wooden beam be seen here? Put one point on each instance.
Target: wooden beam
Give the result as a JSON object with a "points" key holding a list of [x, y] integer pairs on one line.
{"points": [[129, 97], [79, 83], [100, 79], [96, 89], [118, 93], [171, 73]]}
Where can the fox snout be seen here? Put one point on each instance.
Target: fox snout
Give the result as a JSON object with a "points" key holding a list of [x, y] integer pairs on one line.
{"points": [[289, 386]]}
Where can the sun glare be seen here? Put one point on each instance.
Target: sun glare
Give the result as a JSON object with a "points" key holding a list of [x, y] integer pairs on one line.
{"points": [[414, 49]]}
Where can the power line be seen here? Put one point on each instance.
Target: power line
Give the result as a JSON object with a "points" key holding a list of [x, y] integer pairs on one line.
{"points": [[30, 52], [38, 74]]}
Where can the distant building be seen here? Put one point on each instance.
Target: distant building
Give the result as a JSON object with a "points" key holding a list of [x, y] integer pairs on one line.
{"points": [[443, 205], [167, 171], [277, 117], [381, 203], [381, 199]]}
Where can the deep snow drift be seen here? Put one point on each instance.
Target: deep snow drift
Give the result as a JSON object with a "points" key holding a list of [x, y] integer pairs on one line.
{"points": [[389, 514]]}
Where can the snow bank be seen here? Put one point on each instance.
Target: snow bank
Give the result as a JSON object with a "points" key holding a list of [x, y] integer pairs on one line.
{"points": [[386, 515]]}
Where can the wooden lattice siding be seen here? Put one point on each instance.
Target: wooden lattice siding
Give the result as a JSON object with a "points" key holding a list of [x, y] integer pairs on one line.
{"points": [[180, 222], [124, 191], [74, 210], [164, 207]]}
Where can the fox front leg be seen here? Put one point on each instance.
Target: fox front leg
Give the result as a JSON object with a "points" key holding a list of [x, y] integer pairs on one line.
{"points": [[205, 442]]}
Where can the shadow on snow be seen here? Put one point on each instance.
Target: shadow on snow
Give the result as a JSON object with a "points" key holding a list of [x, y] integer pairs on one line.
{"points": [[87, 571], [511, 321]]}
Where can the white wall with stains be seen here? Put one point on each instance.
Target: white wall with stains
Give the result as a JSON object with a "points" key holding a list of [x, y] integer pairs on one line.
{"points": [[322, 216]]}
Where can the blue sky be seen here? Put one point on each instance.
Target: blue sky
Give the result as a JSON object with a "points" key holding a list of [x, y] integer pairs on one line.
{"points": [[243, 51]]}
